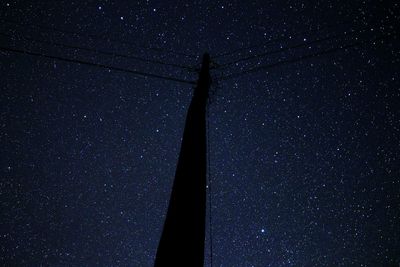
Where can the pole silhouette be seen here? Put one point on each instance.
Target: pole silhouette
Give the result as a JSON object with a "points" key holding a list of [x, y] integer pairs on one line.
{"points": [[182, 240]]}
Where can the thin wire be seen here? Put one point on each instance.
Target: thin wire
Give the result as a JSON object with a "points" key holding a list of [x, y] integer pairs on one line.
{"points": [[129, 56], [99, 37], [317, 54], [209, 185], [303, 44], [352, 15], [144, 74], [282, 38]]}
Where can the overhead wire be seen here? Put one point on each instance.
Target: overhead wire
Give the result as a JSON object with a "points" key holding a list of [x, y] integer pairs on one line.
{"points": [[176, 65], [298, 59], [281, 38], [98, 51], [108, 67], [99, 37], [302, 44], [353, 15]]}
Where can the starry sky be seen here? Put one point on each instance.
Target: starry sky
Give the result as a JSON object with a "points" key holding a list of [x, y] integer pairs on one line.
{"points": [[304, 150]]}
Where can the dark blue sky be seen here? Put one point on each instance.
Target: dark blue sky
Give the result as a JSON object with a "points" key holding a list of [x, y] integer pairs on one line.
{"points": [[304, 156]]}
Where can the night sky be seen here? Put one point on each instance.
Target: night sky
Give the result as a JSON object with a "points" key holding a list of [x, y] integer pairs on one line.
{"points": [[304, 154]]}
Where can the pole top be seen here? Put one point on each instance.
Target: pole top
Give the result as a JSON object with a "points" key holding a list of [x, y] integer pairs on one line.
{"points": [[206, 57], [204, 81]]}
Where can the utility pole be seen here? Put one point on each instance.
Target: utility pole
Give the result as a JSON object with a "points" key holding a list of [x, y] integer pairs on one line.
{"points": [[183, 236]]}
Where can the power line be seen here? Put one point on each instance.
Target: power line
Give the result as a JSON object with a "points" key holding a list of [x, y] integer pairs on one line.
{"points": [[99, 37], [100, 52], [283, 62], [144, 74], [278, 39], [353, 15], [303, 44]]}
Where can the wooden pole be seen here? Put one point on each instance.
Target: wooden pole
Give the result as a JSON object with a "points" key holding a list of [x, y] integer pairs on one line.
{"points": [[182, 240]]}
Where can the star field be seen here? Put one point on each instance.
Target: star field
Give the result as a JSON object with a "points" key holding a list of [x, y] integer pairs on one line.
{"points": [[304, 156]]}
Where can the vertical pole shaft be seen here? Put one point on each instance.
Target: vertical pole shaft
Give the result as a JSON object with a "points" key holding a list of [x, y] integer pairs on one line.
{"points": [[182, 240]]}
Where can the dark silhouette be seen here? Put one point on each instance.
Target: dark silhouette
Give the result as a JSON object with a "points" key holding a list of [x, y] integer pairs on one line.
{"points": [[182, 240]]}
